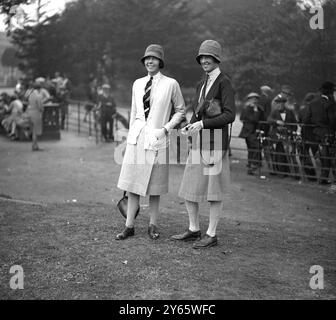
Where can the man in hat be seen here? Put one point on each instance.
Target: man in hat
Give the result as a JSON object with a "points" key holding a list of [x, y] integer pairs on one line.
{"points": [[107, 107], [265, 102], [208, 179], [265, 99], [288, 94], [251, 116], [322, 114], [283, 125], [145, 167]]}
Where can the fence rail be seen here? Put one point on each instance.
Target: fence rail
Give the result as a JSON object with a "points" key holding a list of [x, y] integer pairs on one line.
{"points": [[290, 150], [83, 121], [287, 153]]}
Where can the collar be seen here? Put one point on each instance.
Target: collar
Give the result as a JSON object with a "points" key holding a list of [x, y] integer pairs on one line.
{"points": [[156, 77], [214, 74], [324, 96]]}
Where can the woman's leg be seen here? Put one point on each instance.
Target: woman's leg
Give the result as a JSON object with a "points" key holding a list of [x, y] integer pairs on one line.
{"points": [[215, 214], [154, 204], [133, 203], [34, 139], [192, 208]]}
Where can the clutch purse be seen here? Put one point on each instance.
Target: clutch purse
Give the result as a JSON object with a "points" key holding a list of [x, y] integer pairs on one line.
{"points": [[213, 108], [122, 206]]}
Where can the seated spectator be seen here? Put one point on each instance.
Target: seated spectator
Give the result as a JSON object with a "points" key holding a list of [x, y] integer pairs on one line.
{"points": [[4, 108], [14, 118]]}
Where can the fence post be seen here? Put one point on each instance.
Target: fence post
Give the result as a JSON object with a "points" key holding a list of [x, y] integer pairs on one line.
{"points": [[67, 118], [78, 116], [90, 123]]}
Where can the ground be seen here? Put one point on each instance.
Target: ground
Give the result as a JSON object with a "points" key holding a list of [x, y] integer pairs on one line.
{"points": [[60, 223]]}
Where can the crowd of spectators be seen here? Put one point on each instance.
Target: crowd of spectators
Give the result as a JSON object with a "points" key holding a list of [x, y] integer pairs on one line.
{"points": [[291, 136], [16, 115]]}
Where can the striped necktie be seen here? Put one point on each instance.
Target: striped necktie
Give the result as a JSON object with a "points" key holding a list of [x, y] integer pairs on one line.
{"points": [[205, 87], [146, 97]]}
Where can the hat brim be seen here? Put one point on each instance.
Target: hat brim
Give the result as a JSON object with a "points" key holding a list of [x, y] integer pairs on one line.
{"points": [[207, 54]]}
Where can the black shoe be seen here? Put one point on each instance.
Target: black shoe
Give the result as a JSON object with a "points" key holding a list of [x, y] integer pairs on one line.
{"points": [[187, 236], [205, 242], [152, 232], [128, 232]]}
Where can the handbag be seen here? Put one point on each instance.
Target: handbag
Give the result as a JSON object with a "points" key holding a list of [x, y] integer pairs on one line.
{"points": [[122, 206], [213, 108]]}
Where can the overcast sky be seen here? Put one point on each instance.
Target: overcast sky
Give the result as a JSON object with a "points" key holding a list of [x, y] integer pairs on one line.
{"points": [[53, 6]]}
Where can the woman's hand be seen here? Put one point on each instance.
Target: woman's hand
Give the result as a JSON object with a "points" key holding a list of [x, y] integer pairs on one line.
{"points": [[160, 134], [195, 127], [185, 130]]}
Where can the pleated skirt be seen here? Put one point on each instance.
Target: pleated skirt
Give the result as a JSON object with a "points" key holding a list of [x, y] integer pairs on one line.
{"points": [[204, 182], [35, 120]]}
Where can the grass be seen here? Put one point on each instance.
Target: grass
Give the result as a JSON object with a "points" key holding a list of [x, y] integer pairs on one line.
{"points": [[69, 252]]}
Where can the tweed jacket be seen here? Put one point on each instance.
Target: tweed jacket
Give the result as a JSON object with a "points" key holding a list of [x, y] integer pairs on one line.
{"points": [[221, 90]]}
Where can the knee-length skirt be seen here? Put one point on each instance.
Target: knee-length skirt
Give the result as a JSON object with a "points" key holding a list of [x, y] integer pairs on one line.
{"points": [[35, 119], [204, 182], [144, 172]]}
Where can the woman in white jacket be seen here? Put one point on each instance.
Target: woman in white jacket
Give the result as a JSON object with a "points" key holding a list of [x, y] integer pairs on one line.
{"points": [[145, 168]]}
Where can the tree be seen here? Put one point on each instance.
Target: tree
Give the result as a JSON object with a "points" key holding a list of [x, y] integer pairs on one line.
{"points": [[9, 58], [265, 41]]}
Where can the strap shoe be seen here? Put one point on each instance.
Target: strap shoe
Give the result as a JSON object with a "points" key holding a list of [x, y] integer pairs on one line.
{"points": [[153, 232], [205, 242]]}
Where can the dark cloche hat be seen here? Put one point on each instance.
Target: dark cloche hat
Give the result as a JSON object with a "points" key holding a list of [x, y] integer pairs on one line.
{"points": [[154, 50]]}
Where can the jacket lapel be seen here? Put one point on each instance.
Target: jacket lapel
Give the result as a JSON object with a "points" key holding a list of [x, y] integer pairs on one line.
{"points": [[209, 94], [198, 92], [213, 87]]}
